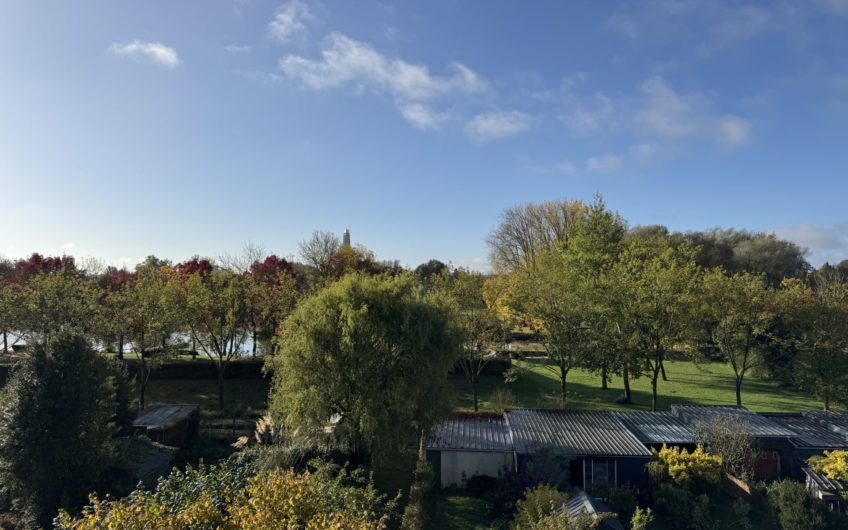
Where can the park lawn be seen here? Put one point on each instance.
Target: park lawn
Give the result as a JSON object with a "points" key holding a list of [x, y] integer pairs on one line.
{"points": [[245, 400], [689, 383]]}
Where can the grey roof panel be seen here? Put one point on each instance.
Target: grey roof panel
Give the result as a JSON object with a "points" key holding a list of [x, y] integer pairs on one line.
{"points": [[761, 426], [481, 432], [584, 503], [658, 427], [811, 432], [572, 432], [835, 421]]}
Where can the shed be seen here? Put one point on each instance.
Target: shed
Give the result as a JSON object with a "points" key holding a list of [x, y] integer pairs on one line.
{"points": [[143, 460], [825, 489], [169, 424], [470, 445], [583, 503]]}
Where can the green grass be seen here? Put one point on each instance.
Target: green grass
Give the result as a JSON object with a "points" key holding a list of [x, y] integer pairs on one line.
{"points": [[459, 512], [689, 383], [244, 399]]}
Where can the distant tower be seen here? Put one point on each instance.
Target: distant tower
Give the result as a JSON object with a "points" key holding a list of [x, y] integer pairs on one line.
{"points": [[346, 238]]}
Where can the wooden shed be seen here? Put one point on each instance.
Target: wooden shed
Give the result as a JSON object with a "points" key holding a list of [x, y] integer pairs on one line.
{"points": [[169, 424]]}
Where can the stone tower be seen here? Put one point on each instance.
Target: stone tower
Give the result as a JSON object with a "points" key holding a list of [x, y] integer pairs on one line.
{"points": [[346, 238]]}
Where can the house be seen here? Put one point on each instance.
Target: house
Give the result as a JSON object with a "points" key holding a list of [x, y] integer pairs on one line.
{"points": [[583, 503], [601, 450], [816, 432]]}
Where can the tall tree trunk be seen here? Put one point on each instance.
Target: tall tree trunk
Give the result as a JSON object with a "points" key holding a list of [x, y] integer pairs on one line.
{"points": [[142, 382], [221, 386], [604, 376], [738, 391], [654, 393], [5, 341], [121, 347], [253, 353], [662, 368], [628, 397], [563, 374], [422, 455]]}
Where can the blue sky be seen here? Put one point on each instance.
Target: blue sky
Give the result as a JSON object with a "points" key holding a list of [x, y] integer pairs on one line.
{"points": [[192, 127]]}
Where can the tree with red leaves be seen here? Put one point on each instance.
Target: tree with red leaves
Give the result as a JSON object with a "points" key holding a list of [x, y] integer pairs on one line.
{"points": [[195, 265], [273, 286], [24, 269], [115, 307]]}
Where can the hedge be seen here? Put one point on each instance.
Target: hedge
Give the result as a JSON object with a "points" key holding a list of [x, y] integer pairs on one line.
{"points": [[200, 368]]}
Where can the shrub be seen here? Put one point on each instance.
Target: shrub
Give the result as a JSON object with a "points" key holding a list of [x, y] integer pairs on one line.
{"points": [[415, 514], [622, 500], [731, 439], [542, 467], [698, 471], [199, 499], [57, 418], [502, 399], [536, 504], [834, 464], [675, 503], [795, 508], [563, 521], [641, 519]]}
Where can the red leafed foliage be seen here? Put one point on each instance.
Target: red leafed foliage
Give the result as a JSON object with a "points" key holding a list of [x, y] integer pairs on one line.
{"points": [[268, 271], [195, 265], [36, 264], [116, 279], [477, 415]]}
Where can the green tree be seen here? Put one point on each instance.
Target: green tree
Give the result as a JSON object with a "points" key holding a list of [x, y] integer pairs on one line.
{"points": [[215, 310], [483, 329], [57, 418], [152, 320], [659, 283], [370, 351], [63, 301], [818, 316], [739, 311]]}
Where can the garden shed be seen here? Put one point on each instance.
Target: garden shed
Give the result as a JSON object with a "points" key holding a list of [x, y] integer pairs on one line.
{"points": [[169, 424], [470, 445]]}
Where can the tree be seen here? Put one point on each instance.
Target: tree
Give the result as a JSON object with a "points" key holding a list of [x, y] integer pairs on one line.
{"points": [[318, 250], [57, 418], [214, 308], [370, 352], [525, 231], [483, 330], [731, 439], [552, 296], [427, 272], [60, 301], [10, 309], [659, 283], [740, 311], [818, 316], [273, 287], [152, 319], [114, 316]]}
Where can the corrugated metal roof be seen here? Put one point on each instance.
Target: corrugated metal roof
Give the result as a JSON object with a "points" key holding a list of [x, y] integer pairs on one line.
{"points": [[823, 482], [591, 506], [811, 432], [658, 427], [471, 433], [835, 421], [572, 432], [761, 427]]}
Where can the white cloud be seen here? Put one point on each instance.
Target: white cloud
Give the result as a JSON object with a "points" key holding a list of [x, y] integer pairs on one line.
{"points": [[148, 52], [496, 125], [422, 116], [290, 21], [348, 62], [236, 49], [734, 131], [826, 243], [604, 164], [567, 167], [69, 246]]}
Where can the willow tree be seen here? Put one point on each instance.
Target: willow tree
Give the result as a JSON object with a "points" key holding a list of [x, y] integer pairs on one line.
{"points": [[370, 352]]}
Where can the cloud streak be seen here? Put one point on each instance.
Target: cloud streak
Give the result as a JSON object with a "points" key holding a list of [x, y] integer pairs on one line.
{"points": [[147, 52], [290, 21], [489, 126]]}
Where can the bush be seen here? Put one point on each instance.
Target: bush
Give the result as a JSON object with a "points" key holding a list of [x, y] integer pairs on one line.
{"points": [[731, 439], [57, 418], [543, 467], [796, 509], [419, 504], [536, 504], [697, 471], [675, 503], [622, 500], [641, 519], [199, 499]]}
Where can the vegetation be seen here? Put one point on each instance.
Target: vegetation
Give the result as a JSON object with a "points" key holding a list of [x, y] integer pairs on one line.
{"points": [[57, 418]]}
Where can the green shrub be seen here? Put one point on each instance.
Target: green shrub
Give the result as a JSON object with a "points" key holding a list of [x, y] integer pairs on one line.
{"points": [[641, 519], [795, 508], [622, 500], [417, 509], [536, 504]]}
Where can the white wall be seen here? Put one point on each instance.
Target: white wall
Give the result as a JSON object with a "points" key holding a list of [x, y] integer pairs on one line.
{"points": [[458, 466]]}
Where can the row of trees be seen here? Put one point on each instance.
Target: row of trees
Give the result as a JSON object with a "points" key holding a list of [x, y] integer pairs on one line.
{"points": [[620, 301]]}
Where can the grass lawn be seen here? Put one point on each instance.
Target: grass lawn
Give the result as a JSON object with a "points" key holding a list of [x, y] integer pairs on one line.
{"points": [[244, 399], [689, 383]]}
